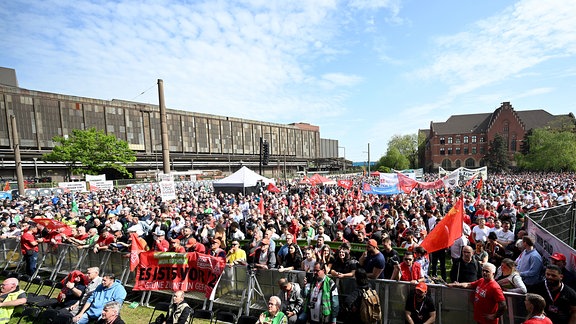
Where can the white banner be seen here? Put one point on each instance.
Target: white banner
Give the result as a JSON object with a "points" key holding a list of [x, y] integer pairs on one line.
{"points": [[101, 185], [100, 177], [451, 180], [164, 177], [388, 179], [547, 244], [73, 186], [167, 190], [469, 173]]}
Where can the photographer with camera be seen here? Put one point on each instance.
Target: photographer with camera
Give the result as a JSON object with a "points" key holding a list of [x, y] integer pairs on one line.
{"points": [[321, 303]]}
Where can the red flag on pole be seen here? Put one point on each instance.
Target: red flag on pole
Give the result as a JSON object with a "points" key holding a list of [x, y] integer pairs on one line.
{"points": [[470, 181], [346, 184], [135, 251], [272, 188], [261, 205], [480, 184], [447, 231], [7, 186]]}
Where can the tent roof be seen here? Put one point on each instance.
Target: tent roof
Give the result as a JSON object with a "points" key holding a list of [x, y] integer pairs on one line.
{"points": [[242, 178]]}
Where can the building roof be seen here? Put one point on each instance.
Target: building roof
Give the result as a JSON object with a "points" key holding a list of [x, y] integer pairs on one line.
{"points": [[479, 123], [462, 124]]}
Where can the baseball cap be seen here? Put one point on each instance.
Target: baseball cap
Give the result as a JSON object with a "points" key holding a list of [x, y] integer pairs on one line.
{"points": [[360, 227], [373, 243], [160, 233], [422, 287], [265, 241], [558, 256]]}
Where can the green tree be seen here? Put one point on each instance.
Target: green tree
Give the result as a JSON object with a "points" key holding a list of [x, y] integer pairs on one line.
{"points": [[91, 151], [393, 160], [549, 150], [497, 157], [407, 145]]}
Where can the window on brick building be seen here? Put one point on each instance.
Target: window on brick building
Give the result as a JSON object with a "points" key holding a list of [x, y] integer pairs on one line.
{"points": [[449, 140], [449, 151], [446, 164], [465, 149], [469, 163], [473, 138], [482, 139], [482, 150], [513, 143], [474, 150], [457, 139], [506, 127], [442, 140], [457, 163], [442, 151], [457, 150], [465, 139]]}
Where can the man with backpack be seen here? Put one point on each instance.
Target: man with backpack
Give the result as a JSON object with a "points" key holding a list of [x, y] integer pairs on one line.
{"points": [[363, 303]]}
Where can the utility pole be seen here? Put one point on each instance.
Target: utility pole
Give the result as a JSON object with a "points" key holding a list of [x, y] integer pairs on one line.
{"points": [[164, 128], [368, 159], [17, 158]]}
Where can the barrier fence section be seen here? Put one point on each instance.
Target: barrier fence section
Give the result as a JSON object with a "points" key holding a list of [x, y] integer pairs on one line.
{"points": [[453, 305]]}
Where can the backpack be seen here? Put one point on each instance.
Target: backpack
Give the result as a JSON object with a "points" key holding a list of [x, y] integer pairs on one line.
{"points": [[370, 311]]}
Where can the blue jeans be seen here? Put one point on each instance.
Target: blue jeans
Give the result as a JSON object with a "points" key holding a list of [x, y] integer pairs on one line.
{"points": [[31, 261]]}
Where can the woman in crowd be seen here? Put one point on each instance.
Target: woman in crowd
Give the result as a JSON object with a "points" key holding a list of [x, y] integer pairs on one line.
{"points": [[508, 277], [292, 260], [480, 254], [326, 257], [344, 266]]}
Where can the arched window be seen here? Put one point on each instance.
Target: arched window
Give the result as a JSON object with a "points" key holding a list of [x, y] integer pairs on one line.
{"points": [[470, 162], [446, 164], [457, 164], [513, 143]]}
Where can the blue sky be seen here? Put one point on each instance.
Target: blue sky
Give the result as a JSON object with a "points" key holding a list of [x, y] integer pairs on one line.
{"points": [[362, 70]]}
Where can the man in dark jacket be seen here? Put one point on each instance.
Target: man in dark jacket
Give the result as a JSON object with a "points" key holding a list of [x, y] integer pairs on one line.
{"points": [[466, 268], [179, 311], [111, 314]]}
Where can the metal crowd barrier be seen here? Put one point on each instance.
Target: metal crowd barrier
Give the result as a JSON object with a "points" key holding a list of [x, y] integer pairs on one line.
{"points": [[453, 305]]}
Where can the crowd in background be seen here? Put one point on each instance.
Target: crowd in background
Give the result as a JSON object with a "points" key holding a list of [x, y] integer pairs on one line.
{"points": [[263, 229]]}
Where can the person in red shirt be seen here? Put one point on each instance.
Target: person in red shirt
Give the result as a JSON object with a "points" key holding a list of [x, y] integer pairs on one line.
{"points": [[535, 305], [175, 246], [408, 270], [104, 240], [489, 301], [29, 248], [160, 243]]}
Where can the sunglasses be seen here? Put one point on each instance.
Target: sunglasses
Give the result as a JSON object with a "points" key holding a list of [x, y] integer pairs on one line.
{"points": [[408, 259]]}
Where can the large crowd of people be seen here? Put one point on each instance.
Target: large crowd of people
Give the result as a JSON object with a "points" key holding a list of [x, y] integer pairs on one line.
{"points": [[289, 231]]}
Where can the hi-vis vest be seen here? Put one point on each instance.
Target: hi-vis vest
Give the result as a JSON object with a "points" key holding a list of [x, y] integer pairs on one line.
{"points": [[6, 312]]}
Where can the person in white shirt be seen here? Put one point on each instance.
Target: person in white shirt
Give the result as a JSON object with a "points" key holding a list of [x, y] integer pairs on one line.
{"points": [[505, 235], [462, 241], [480, 231]]}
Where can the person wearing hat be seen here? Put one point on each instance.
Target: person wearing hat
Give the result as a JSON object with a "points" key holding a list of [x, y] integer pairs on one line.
{"points": [[372, 260], [13, 232], [419, 308], [263, 257], [216, 250], [568, 279], [160, 242]]}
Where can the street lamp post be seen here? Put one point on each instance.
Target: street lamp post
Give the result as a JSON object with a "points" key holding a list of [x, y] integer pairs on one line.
{"points": [[35, 166], [344, 164]]}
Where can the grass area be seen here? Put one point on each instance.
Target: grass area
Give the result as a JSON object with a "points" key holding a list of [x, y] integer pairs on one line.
{"points": [[140, 314]]}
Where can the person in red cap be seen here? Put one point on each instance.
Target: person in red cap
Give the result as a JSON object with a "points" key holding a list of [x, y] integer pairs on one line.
{"points": [[568, 279], [420, 307], [372, 260]]}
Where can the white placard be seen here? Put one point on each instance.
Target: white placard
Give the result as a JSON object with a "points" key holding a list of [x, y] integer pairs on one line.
{"points": [[91, 178], [79, 186], [102, 185], [167, 190]]}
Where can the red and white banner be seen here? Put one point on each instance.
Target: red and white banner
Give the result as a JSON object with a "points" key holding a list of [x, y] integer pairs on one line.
{"points": [[190, 271]]}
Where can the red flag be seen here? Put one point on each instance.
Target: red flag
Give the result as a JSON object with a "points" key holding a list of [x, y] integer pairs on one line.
{"points": [[480, 184], [135, 251], [447, 231], [346, 184], [53, 224], [470, 181], [7, 186], [478, 199], [272, 188], [261, 206]]}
